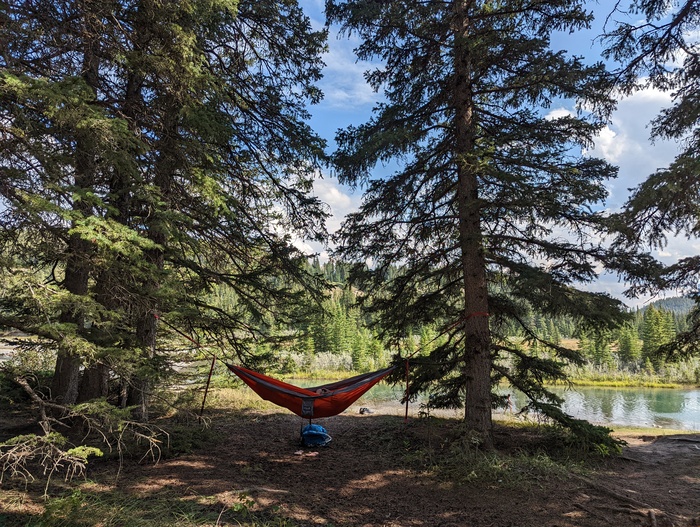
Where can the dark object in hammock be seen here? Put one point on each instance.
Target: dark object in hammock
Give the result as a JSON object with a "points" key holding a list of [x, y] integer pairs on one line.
{"points": [[315, 402]]}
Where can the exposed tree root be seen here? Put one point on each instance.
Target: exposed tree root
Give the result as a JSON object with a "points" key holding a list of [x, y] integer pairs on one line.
{"points": [[594, 513], [635, 506]]}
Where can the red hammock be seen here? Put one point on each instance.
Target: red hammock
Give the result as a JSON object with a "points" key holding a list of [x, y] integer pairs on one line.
{"points": [[319, 401]]}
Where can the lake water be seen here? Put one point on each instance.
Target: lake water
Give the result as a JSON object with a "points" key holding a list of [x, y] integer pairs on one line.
{"points": [[638, 407], [643, 407]]}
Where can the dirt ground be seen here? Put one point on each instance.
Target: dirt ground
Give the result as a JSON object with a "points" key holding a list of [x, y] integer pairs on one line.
{"points": [[370, 475], [362, 479]]}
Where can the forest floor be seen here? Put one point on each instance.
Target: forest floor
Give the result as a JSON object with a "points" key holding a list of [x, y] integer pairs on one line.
{"points": [[248, 469]]}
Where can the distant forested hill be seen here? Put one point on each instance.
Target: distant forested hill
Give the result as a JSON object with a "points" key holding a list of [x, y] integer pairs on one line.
{"points": [[678, 305]]}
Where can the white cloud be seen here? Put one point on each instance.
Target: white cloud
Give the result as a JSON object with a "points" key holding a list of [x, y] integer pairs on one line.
{"points": [[626, 143], [558, 114], [678, 247], [341, 200], [303, 246], [344, 84], [610, 145]]}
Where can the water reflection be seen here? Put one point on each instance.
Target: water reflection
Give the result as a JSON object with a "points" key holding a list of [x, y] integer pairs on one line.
{"points": [[643, 407]]}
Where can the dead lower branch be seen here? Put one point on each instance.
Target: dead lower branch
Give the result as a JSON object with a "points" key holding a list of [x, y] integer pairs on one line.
{"points": [[108, 426]]}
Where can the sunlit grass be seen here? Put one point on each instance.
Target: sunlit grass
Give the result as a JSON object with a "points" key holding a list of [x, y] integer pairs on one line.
{"points": [[625, 383], [324, 375], [90, 505], [619, 430], [237, 399]]}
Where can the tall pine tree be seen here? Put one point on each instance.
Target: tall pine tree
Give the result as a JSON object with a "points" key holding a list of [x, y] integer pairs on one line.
{"points": [[492, 202]]}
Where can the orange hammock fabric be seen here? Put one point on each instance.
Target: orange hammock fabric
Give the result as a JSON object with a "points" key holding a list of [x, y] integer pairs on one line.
{"points": [[315, 402]]}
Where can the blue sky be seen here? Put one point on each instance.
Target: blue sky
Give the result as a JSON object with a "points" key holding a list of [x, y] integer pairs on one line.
{"points": [[624, 142]]}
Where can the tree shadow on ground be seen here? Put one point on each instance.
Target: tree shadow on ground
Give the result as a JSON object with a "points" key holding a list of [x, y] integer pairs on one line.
{"points": [[250, 469]]}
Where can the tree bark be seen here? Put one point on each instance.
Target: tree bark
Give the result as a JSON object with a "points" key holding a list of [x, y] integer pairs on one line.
{"points": [[140, 386], [94, 383], [477, 339], [66, 378], [66, 381]]}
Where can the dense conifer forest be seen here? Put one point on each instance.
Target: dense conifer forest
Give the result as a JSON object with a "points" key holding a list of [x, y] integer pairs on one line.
{"points": [[338, 336]]}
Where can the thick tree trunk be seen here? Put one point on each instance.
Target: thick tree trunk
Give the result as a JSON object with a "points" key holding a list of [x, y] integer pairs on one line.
{"points": [[66, 380], [66, 377], [141, 385], [94, 383], [477, 357]]}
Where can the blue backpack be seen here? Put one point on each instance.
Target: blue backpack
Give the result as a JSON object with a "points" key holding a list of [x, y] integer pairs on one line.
{"points": [[314, 435]]}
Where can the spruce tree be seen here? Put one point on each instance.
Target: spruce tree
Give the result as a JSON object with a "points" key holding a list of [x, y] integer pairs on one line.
{"points": [[492, 202], [629, 345], [57, 144], [662, 51], [160, 152], [657, 330]]}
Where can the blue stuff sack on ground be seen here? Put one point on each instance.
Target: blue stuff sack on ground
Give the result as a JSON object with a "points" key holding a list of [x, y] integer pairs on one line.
{"points": [[314, 435]]}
